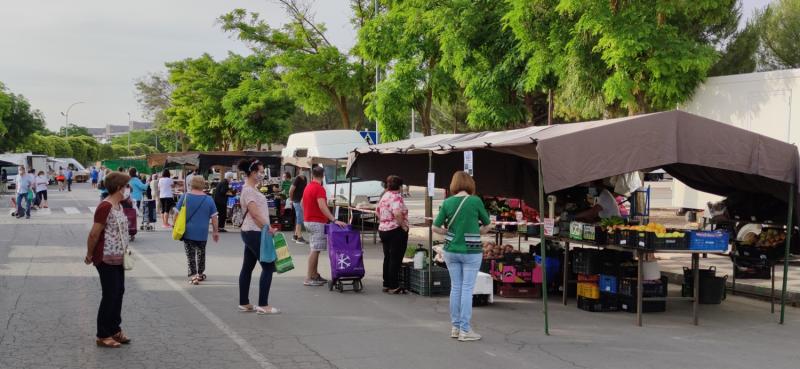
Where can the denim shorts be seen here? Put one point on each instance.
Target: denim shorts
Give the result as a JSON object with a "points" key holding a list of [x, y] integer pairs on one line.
{"points": [[298, 212]]}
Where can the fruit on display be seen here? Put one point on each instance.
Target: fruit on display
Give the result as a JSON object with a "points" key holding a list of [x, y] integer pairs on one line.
{"points": [[611, 222], [771, 238], [495, 251], [674, 234]]}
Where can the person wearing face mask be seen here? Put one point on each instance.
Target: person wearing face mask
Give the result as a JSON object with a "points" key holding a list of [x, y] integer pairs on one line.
{"points": [[256, 216]]}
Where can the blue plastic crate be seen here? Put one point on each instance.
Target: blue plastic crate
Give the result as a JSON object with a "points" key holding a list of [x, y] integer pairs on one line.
{"points": [[608, 283], [553, 266], [708, 240]]}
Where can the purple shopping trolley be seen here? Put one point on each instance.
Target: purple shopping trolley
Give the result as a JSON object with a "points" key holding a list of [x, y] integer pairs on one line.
{"points": [[347, 258]]}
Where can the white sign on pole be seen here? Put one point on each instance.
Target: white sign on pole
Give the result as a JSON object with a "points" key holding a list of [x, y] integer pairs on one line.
{"points": [[468, 163], [549, 224], [431, 181]]}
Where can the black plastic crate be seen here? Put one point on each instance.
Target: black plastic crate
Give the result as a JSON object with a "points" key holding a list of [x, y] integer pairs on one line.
{"points": [[752, 269], [633, 239], [627, 287], [480, 300], [606, 303], [440, 280], [628, 303], [667, 243], [405, 275], [586, 261], [753, 252]]}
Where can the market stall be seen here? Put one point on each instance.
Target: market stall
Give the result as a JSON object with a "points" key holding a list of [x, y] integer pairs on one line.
{"points": [[707, 155]]}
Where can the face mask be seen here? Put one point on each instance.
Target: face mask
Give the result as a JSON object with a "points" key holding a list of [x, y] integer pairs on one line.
{"points": [[260, 176], [126, 193]]}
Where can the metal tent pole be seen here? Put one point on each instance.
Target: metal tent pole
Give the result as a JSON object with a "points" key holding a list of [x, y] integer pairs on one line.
{"points": [[335, 181], [789, 229], [429, 220], [543, 248]]}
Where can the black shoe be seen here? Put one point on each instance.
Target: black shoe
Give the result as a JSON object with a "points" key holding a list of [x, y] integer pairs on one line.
{"points": [[223, 230]]}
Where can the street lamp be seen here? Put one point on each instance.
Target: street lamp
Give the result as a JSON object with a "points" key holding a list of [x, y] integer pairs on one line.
{"points": [[66, 117]]}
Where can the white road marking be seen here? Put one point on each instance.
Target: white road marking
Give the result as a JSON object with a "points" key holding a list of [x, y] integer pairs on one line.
{"points": [[43, 211], [227, 330], [71, 210]]}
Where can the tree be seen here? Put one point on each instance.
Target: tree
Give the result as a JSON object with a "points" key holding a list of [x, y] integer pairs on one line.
{"points": [[74, 130], [317, 74], [417, 78], [17, 120], [153, 93], [61, 148], [120, 151], [79, 149], [740, 55], [105, 152], [259, 109], [656, 54], [779, 28]]}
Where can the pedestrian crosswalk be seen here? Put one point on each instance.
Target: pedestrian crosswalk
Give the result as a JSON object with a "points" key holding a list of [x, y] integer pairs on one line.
{"points": [[60, 211]]}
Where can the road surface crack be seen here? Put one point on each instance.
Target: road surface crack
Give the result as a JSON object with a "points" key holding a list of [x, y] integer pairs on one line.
{"points": [[559, 358]]}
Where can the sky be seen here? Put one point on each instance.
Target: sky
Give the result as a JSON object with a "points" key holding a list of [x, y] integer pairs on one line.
{"points": [[57, 52]]}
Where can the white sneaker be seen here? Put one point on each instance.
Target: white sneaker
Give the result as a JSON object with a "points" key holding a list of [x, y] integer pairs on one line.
{"points": [[454, 332], [468, 336]]}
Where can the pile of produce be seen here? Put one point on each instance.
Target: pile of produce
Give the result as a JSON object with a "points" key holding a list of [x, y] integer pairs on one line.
{"points": [[495, 251], [769, 238], [650, 227]]}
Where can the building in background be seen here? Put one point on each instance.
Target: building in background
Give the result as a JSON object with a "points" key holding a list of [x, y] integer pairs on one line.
{"points": [[104, 135]]}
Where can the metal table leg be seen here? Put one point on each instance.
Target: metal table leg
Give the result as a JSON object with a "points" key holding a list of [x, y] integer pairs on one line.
{"points": [[733, 276], [565, 285], [772, 290], [639, 288], [696, 287]]}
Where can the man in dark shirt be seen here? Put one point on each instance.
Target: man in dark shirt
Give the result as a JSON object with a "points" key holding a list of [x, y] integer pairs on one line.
{"points": [[296, 197], [221, 193]]}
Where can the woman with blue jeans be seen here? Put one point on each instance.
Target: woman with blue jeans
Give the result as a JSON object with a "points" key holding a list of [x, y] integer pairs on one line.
{"points": [[255, 218], [462, 219]]}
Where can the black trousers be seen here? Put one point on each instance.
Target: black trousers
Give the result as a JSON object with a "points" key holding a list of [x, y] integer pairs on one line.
{"points": [[394, 248], [109, 315], [252, 251], [222, 213], [69, 185]]}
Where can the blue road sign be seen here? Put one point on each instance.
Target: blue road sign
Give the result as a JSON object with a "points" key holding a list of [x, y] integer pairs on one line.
{"points": [[370, 136]]}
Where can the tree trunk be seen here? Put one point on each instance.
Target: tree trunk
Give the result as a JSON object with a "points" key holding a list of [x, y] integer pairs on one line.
{"points": [[529, 102], [341, 106], [550, 105], [258, 144], [641, 105], [425, 114]]}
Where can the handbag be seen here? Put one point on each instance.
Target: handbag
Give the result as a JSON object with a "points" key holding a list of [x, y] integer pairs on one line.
{"points": [[267, 252], [283, 259], [179, 228]]}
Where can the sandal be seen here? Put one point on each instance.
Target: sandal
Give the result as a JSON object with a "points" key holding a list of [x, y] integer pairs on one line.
{"points": [[267, 311], [195, 280], [246, 308], [201, 277], [121, 338], [108, 342], [397, 291]]}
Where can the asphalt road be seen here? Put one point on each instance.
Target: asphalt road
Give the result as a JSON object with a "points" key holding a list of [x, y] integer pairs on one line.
{"points": [[49, 298]]}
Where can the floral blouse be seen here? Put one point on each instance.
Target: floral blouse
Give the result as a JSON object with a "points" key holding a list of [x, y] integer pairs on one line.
{"points": [[391, 202], [116, 237]]}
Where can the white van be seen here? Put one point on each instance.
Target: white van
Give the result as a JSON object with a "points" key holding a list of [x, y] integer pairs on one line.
{"points": [[330, 149], [767, 103]]}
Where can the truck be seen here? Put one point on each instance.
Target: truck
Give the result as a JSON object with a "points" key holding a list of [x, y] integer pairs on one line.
{"points": [[329, 149], [28, 160], [767, 103]]}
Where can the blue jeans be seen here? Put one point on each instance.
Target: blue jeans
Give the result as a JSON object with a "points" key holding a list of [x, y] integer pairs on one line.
{"points": [[20, 197], [252, 250], [463, 270], [298, 212]]}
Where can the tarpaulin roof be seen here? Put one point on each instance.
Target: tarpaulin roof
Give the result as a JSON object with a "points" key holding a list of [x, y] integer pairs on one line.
{"points": [[705, 154], [203, 161]]}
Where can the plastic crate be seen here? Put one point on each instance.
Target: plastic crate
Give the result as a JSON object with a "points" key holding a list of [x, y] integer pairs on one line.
{"points": [[440, 281], [586, 261], [589, 290], [708, 240], [633, 239], [753, 252], [594, 278], [667, 243], [480, 300], [594, 233], [553, 269], [520, 290], [605, 303], [752, 269], [405, 275], [627, 287], [563, 229], [628, 303], [608, 284]]}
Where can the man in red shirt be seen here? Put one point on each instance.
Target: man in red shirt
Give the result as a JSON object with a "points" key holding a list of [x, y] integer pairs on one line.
{"points": [[315, 215]]}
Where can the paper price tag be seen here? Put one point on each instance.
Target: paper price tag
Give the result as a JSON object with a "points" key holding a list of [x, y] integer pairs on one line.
{"points": [[431, 183]]}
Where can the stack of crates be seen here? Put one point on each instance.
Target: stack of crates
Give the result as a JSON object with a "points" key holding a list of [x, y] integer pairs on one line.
{"points": [[597, 293], [655, 288], [440, 281]]}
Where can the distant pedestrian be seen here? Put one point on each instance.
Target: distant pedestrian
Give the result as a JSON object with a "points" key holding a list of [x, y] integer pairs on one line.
{"points": [[315, 215], [200, 210], [166, 196], [256, 216], [68, 175], [221, 194], [286, 184], [154, 191], [3, 181], [41, 189], [107, 242], [149, 203], [187, 180], [137, 188], [393, 230], [61, 179], [94, 175], [296, 197], [24, 184]]}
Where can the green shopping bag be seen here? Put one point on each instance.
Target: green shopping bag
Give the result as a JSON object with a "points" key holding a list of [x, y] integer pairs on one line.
{"points": [[283, 263]]}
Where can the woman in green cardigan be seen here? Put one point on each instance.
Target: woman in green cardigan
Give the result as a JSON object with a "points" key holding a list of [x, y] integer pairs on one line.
{"points": [[462, 219]]}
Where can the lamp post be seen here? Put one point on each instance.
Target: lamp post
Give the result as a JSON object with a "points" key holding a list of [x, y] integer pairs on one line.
{"points": [[66, 117], [377, 78]]}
